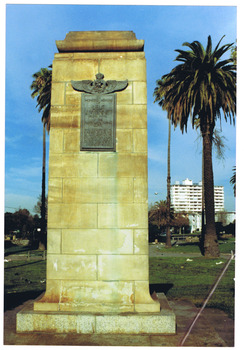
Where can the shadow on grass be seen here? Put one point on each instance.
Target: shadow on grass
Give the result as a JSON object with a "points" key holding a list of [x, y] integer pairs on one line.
{"points": [[27, 263], [13, 300], [160, 287]]}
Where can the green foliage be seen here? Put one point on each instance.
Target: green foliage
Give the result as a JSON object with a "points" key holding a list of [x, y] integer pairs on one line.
{"points": [[41, 87], [200, 86], [157, 218], [21, 223]]}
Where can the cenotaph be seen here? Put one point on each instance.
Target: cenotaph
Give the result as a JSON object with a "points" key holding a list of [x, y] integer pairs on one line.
{"points": [[97, 242]]}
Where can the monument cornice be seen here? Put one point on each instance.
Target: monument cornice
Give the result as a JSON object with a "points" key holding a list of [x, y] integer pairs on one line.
{"points": [[100, 41]]}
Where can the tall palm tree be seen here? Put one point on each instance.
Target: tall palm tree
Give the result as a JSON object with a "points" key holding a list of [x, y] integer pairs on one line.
{"points": [[233, 180], [219, 145], [201, 86], [41, 87], [168, 236]]}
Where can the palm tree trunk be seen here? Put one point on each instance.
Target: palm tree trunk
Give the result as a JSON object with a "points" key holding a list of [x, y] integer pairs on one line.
{"points": [[42, 242], [168, 238], [211, 247], [203, 212]]}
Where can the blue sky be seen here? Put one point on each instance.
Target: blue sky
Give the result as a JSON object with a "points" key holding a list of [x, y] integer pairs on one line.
{"points": [[31, 31]]}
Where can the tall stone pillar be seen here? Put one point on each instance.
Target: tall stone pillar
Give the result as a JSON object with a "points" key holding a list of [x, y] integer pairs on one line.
{"points": [[97, 245]]}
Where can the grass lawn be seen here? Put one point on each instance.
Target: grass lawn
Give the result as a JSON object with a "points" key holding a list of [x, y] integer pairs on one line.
{"points": [[175, 276], [225, 246], [23, 280], [192, 280]]}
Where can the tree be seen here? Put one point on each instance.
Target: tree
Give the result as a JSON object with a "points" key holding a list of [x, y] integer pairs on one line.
{"points": [[233, 180], [168, 236], [201, 86], [158, 216], [219, 145], [41, 87]]}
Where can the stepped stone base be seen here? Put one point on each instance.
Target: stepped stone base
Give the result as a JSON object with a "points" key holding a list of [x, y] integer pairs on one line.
{"points": [[163, 322]]}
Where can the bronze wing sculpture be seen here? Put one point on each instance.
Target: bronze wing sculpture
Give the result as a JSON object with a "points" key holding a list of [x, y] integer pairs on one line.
{"points": [[99, 86]]}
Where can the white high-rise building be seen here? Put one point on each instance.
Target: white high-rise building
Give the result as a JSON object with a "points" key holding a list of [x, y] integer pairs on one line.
{"points": [[188, 197]]}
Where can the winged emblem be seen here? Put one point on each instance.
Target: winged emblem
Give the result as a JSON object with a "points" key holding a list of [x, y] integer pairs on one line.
{"points": [[99, 86]]}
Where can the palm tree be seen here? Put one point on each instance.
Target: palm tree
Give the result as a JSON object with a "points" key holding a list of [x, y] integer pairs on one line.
{"points": [[201, 86], [168, 237], [233, 180], [41, 87], [219, 145]]}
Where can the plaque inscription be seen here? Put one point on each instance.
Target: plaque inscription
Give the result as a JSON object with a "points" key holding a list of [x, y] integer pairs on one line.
{"points": [[98, 122], [98, 112]]}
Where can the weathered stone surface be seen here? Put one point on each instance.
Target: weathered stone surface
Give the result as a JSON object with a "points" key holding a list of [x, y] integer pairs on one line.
{"points": [[96, 241], [122, 215], [123, 165], [73, 322], [62, 215], [100, 41], [97, 261], [123, 267], [71, 267], [98, 190]]}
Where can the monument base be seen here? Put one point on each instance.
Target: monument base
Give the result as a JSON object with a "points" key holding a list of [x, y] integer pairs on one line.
{"points": [[163, 322]]}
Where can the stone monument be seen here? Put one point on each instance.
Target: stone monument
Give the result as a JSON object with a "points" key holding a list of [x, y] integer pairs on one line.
{"points": [[97, 244]]}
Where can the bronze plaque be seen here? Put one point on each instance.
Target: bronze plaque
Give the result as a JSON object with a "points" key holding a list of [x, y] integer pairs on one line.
{"points": [[98, 117]]}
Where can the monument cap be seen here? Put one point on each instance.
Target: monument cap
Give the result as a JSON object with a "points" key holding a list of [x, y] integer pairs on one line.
{"points": [[97, 41]]}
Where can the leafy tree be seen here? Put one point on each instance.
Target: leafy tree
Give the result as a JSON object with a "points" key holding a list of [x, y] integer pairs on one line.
{"points": [[201, 86], [21, 221], [41, 87]]}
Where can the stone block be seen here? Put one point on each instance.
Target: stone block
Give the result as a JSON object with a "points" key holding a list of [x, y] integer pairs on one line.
{"points": [[96, 308], [62, 215], [54, 241], [55, 322], [72, 97], [98, 190], [71, 267], [142, 294], [49, 300], [65, 117], [71, 141], [139, 92], [58, 91], [136, 324], [122, 165], [133, 69], [55, 190], [122, 267], [131, 116], [77, 323], [140, 140], [73, 165], [97, 241], [56, 141], [125, 96], [140, 190], [104, 55], [141, 241], [88, 292], [124, 140], [66, 70], [122, 215]]}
